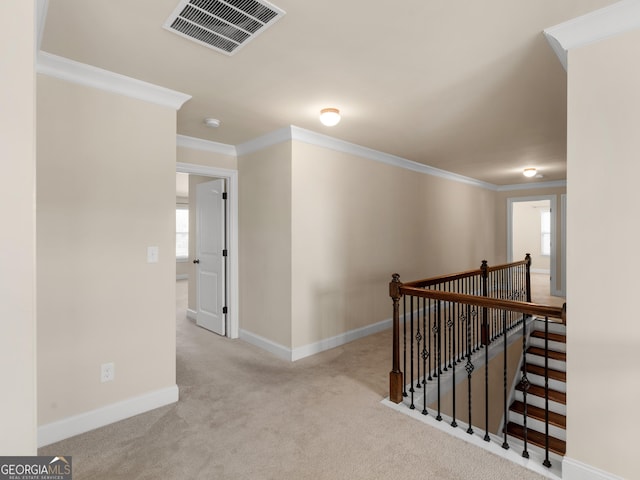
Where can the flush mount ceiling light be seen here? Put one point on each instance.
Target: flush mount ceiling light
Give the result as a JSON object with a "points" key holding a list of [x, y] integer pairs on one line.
{"points": [[330, 116], [212, 122], [529, 172]]}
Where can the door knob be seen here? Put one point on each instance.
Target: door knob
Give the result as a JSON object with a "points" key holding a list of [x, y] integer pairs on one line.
{"points": [[197, 260]]}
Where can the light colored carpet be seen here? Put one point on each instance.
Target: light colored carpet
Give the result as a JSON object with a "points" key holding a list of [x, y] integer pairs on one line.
{"points": [[245, 414]]}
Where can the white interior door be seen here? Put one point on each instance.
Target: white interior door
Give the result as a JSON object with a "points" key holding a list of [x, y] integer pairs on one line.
{"points": [[210, 266]]}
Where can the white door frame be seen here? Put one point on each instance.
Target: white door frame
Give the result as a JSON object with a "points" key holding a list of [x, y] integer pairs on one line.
{"points": [[554, 211], [231, 176]]}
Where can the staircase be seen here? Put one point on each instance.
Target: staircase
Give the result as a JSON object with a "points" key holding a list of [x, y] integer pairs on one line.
{"points": [[535, 360]]}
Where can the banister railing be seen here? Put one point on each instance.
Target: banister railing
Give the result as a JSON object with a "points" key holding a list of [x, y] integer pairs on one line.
{"points": [[445, 322]]}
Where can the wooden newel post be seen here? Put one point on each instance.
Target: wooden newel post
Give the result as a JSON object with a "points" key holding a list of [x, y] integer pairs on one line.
{"points": [[528, 260], [485, 293], [395, 376]]}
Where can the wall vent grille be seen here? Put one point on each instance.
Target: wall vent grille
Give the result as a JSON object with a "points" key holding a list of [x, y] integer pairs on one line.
{"points": [[223, 25]]}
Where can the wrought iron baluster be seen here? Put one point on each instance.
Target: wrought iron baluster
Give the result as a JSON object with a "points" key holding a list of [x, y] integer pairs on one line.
{"points": [[546, 462], [426, 332], [469, 368], [425, 354], [418, 342], [411, 389], [451, 324], [404, 349], [445, 288], [524, 382], [505, 444], [439, 417]]}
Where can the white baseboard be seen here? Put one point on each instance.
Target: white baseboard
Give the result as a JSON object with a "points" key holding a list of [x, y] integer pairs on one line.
{"points": [[576, 470], [191, 314], [272, 347], [182, 276], [84, 422], [287, 353], [336, 341]]}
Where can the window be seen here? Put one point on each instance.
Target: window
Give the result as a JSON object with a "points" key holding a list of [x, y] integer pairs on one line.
{"points": [[545, 230], [182, 232]]}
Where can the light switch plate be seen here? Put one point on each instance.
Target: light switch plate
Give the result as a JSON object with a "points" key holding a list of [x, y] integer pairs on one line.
{"points": [[152, 254]]}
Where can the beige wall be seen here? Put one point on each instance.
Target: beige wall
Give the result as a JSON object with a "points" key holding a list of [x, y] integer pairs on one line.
{"points": [[264, 204], [17, 241], [98, 298], [356, 221], [603, 334], [208, 159], [527, 234]]}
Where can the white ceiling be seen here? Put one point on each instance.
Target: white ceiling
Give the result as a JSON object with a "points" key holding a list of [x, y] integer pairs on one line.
{"points": [[469, 87]]}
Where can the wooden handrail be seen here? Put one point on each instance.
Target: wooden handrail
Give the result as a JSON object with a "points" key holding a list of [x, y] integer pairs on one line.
{"points": [[427, 282], [488, 302]]}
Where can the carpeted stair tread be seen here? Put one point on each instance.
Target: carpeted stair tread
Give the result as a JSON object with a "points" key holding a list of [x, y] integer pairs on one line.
{"points": [[554, 395], [553, 374], [538, 413], [536, 438], [553, 337], [562, 356]]}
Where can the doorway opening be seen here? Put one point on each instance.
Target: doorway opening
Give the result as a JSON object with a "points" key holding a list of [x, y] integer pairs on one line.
{"points": [[531, 228], [201, 304]]}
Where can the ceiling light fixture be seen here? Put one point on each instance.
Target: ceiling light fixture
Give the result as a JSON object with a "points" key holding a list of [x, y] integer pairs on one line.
{"points": [[212, 122], [529, 172], [330, 116]]}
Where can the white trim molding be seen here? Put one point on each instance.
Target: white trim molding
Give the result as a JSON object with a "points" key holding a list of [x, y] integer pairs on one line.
{"points": [[531, 186], [292, 132], [606, 22], [325, 141], [293, 354], [270, 346], [90, 76], [84, 422], [338, 340], [205, 145], [576, 470]]}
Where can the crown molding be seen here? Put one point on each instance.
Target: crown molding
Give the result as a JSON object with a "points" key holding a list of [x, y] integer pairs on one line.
{"points": [[205, 145], [318, 139], [88, 75], [307, 136], [595, 26], [531, 186], [278, 136]]}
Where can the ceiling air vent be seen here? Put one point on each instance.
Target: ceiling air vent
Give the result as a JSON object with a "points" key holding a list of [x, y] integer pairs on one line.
{"points": [[224, 25]]}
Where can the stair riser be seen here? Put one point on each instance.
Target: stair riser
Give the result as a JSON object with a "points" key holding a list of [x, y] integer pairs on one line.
{"points": [[539, 402], [556, 346], [553, 364], [553, 327], [553, 384], [517, 445], [535, 424]]}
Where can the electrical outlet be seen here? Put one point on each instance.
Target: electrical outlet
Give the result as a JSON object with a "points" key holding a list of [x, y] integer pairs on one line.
{"points": [[107, 372]]}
